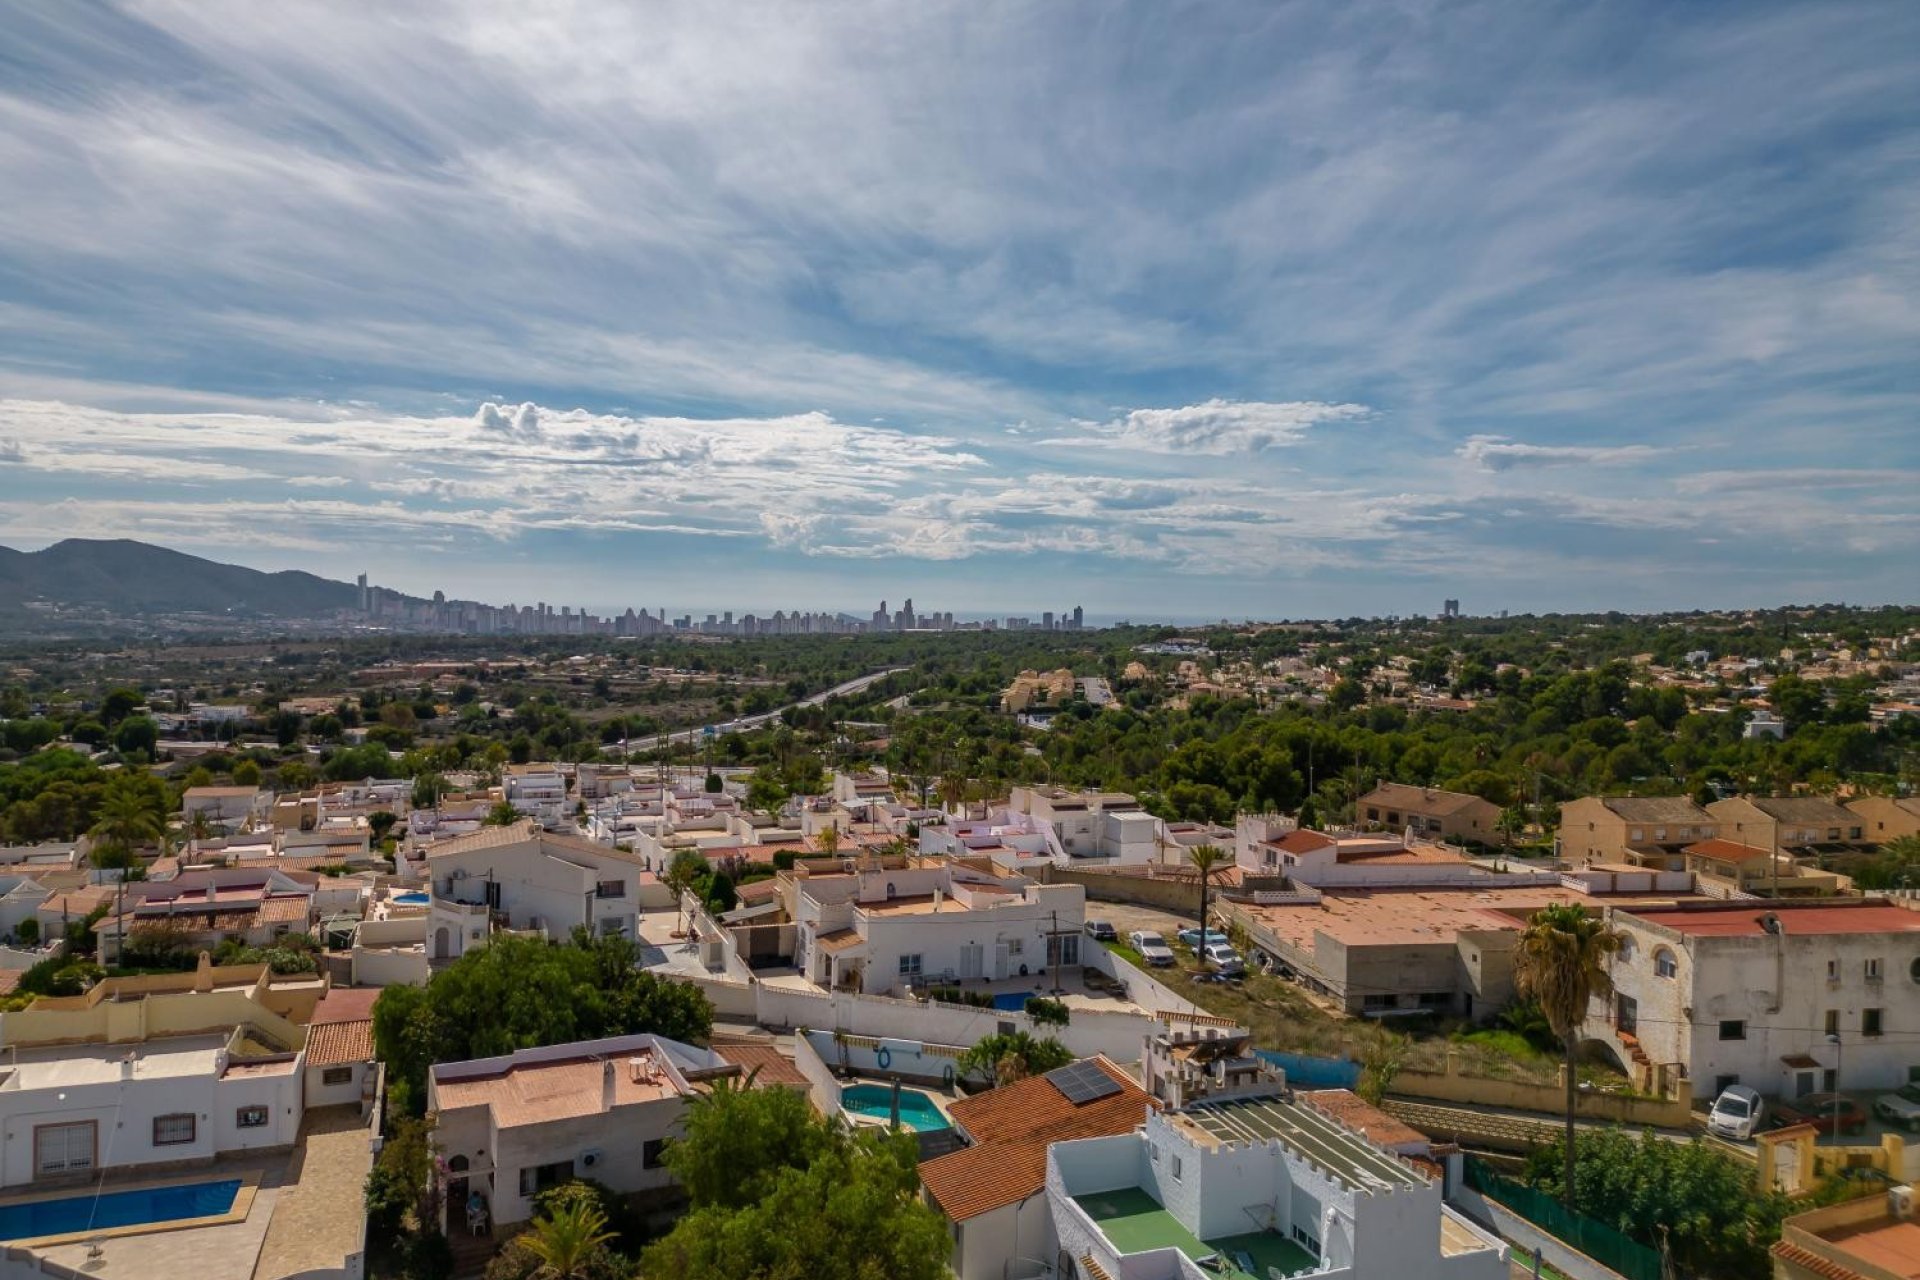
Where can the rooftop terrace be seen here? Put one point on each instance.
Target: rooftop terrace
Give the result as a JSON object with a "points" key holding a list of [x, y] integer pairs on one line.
{"points": [[1309, 1133], [1134, 1222]]}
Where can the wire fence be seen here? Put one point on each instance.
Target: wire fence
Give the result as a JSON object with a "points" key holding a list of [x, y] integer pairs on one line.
{"points": [[1597, 1240]]}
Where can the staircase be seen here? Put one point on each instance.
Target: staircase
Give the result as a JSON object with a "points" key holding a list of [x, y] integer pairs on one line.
{"points": [[1640, 1066], [471, 1254]]}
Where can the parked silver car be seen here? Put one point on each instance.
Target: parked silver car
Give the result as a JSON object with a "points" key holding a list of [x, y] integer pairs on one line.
{"points": [[1152, 948]]}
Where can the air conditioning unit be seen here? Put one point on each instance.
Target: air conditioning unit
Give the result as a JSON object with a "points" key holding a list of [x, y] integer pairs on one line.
{"points": [[458, 873], [590, 1159], [1900, 1201]]}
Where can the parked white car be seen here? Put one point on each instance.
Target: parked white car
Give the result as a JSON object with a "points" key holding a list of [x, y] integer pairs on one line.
{"points": [[1152, 948], [1225, 959], [1901, 1107], [1736, 1113]]}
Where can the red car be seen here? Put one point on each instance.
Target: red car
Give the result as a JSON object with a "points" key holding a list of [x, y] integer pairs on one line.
{"points": [[1821, 1110]]}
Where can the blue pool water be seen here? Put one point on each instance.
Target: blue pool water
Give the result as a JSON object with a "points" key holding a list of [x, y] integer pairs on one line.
{"points": [[1014, 1000], [917, 1111], [411, 899], [116, 1209]]}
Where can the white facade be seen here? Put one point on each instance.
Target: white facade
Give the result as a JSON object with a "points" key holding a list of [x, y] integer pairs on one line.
{"points": [[1754, 1007], [537, 790], [1362, 1213], [914, 926], [527, 879]]}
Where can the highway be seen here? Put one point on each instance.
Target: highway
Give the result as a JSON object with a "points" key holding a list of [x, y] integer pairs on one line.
{"points": [[640, 746]]}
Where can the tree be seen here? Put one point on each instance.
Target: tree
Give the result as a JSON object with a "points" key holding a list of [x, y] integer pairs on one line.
{"points": [[1015, 1055], [129, 820], [520, 993], [137, 735], [737, 1139], [1561, 966], [852, 1212], [246, 773], [721, 895], [566, 1239], [828, 840], [503, 814], [687, 870], [119, 704], [1205, 859], [1702, 1203], [766, 791]]}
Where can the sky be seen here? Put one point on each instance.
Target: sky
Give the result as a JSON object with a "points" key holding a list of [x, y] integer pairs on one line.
{"points": [[1209, 310]]}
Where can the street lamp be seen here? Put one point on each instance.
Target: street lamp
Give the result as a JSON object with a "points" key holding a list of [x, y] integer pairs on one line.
{"points": [[1833, 1038]]}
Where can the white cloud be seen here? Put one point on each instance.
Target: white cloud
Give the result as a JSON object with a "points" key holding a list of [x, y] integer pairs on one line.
{"points": [[1217, 427], [1497, 453]]}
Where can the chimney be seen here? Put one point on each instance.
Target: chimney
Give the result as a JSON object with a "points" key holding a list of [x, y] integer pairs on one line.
{"points": [[606, 1085]]}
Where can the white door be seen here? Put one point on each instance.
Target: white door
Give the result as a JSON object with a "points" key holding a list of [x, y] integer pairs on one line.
{"points": [[999, 961], [973, 960]]}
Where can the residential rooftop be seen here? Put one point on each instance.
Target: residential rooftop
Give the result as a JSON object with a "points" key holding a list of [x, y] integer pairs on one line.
{"points": [[1822, 919], [1307, 1131], [67, 1066], [1134, 1222]]}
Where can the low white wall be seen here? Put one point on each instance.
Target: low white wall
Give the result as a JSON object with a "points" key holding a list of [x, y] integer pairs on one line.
{"points": [[822, 1086], [1117, 1035], [732, 999], [1143, 988], [390, 967]]}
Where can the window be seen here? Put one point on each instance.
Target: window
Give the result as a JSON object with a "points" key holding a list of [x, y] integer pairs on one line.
{"points": [[1064, 949], [173, 1131], [1626, 947], [1174, 1164], [1873, 969], [1373, 815], [1871, 1022], [1913, 969], [1637, 835], [910, 965], [610, 889], [1436, 999], [1733, 1029], [63, 1148], [1829, 1080], [1380, 1002], [1664, 965], [1833, 1022], [1723, 1083], [614, 927], [1833, 971], [337, 1075], [1016, 946], [650, 1152], [538, 1178], [251, 1118]]}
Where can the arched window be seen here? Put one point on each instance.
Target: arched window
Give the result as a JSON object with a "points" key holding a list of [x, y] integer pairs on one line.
{"points": [[1664, 964], [1626, 946]]}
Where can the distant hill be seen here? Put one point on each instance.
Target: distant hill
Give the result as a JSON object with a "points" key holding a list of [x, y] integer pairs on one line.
{"points": [[135, 577]]}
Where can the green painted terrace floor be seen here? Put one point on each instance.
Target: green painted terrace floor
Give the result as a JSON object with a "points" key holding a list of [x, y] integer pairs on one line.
{"points": [[1134, 1222]]}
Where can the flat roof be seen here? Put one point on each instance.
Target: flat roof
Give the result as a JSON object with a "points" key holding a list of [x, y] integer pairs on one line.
{"points": [[1824, 920], [530, 1093], [1405, 917], [1307, 1132], [70, 1065], [1893, 1246]]}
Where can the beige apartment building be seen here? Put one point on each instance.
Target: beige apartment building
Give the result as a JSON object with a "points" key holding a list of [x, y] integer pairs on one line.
{"points": [[1437, 815], [1887, 818], [1643, 831], [1804, 826]]}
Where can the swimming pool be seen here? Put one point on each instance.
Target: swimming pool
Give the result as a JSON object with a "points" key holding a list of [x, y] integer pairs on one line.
{"points": [[917, 1110], [81, 1213], [1016, 1001], [411, 899]]}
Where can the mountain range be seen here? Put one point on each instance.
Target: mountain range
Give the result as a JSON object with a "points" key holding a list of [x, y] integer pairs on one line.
{"points": [[123, 576]]}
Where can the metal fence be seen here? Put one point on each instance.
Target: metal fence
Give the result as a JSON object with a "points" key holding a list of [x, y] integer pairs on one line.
{"points": [[1597, 1240]]}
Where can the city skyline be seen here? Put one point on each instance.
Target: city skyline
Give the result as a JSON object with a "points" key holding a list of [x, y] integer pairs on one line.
{"points": [[1237, 312]]}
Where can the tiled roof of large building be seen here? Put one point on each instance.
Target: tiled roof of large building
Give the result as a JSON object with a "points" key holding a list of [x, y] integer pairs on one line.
{"points": [[524, 831], [1401, 795], [1725, 851], [1658, 809], [1011, 1128]]}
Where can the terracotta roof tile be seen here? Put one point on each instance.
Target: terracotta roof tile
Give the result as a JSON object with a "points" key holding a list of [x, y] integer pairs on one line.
{"points": [[345, 1004], [839, 940], [334, 1044], [1356, 1113], [1807, 1260], [1011, 1128], [1725, 851]]}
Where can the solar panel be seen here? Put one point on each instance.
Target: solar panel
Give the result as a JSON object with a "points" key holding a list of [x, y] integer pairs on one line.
{"points": [[1083, 1082]]}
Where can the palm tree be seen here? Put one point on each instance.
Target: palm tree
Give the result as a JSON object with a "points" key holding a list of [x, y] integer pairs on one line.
{"points": [[566, 1240], [1561, 966], [1204, 858], [127, 821], [828, 840]]}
